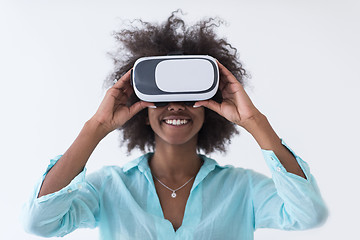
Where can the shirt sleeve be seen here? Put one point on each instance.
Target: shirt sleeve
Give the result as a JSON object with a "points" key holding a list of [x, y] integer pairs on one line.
{"points": [[61, 212], [287, 201]]}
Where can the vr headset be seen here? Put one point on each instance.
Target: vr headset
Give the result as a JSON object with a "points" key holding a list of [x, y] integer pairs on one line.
{"points": [[180, 78]]}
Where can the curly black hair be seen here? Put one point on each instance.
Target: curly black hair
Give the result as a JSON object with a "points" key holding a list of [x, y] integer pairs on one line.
{"points": [[173, 35]]}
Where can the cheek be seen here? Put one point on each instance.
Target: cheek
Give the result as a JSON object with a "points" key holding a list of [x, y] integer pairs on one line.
{"points": [[153, 124], [201, 116], [150, 117]]}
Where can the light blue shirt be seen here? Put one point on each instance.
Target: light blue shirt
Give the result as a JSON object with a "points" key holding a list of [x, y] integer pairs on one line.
{"points": [[224, 203]]}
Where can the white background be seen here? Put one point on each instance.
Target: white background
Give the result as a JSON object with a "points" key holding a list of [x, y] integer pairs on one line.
{"points": [[303, 57]]}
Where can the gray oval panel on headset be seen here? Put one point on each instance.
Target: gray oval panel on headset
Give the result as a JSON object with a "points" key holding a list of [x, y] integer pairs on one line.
{"points": [[175, 78]]}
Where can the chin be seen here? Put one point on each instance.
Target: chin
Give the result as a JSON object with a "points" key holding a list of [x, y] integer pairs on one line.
{"points": [[178, 140]]}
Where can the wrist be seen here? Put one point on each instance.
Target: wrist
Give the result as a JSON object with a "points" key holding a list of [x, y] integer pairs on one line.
{"points": [[96, 129], [255, 123], [260, 128]]}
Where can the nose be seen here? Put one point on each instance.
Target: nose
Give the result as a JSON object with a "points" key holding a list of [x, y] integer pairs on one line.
{"points": [[176, 106]]}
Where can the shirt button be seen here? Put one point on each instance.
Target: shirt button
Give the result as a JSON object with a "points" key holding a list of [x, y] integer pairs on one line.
{"points": [[69, 190], [278, 169], [79, 186]]}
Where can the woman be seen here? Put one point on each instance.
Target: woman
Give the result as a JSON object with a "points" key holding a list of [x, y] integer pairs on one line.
{"points": [[173, 192]]}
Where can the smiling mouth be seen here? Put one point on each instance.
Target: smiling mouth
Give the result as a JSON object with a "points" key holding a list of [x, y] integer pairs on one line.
{"points": [[176, 122]]}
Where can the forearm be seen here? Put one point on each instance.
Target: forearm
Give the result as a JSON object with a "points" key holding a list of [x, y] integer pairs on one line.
{"points": [[260, 128], [74, 159]]}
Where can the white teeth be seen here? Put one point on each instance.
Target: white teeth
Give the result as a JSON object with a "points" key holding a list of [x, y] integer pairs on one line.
{"points": [[176, 122]]}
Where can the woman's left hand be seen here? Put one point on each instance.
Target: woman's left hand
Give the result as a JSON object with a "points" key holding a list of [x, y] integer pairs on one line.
{"points": [[236, 106]]}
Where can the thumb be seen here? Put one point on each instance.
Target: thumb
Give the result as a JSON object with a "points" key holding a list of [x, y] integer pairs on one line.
{"points": [[138, 106], [211, 104]]}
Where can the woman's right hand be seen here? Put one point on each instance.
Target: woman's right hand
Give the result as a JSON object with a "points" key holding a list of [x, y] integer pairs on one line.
{"points": [[113, 112]]}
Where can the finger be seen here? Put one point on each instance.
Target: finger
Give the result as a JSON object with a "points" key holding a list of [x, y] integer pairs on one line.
{"points": [[125, 114], [228, 76], [152, 105], [122, 87], [116, 95], [211, 104], [129, 91], [121, 99], [124, 82], [138, 106]]}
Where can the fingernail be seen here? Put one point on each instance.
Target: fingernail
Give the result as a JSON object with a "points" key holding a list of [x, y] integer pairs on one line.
{"points": [[196, 106], [152, 106]]}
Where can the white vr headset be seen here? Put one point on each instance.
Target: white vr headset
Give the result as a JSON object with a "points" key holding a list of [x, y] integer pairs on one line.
{"points": [[180, 78]]}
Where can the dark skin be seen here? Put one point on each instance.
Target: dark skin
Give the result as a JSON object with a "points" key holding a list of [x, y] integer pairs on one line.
{"points": [[175, 158]]}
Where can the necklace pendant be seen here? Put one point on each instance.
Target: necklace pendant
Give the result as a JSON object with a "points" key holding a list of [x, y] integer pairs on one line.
{"points": [[173, 195]]}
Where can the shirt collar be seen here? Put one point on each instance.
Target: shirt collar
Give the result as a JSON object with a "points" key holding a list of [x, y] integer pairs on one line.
{"points": [[142, 164]]}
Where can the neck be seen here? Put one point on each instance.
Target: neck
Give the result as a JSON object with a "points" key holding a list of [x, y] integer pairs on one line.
{"points": [[175, 162]]}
